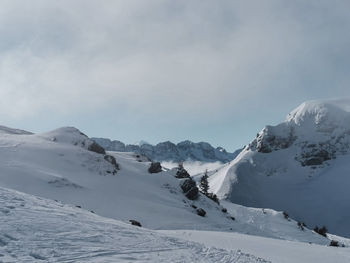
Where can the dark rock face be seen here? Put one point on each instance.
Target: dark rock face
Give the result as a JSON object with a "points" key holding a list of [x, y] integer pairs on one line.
{"points": [[334, 243], [189, 188], [112, 160], [282, 136], [192, 194], [135, 223], [155, 168], [201, 212], [187, 184], [94, 147], [316, 154], [313, 161], [267, 141], [182, 173]]}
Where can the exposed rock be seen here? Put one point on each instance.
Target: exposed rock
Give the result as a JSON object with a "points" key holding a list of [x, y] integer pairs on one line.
{"points": [[189, 188], [316, 154], [192, 194], [94, 147], [112, 160], [268, 140], [155, 168], [335, 243], [135, 223], [181, 172], [201, 212], [213, 197], [313, 161], [187, 184]]}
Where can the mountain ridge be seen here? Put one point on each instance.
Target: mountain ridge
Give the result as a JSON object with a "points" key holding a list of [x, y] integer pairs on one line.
{"points": [[168, 151]]}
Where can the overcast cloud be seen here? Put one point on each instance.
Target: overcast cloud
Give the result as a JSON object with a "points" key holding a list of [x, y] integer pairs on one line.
{"points": [[236, 65]]}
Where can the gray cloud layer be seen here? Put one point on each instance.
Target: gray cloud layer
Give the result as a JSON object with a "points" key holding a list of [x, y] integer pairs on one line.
{"points": [[169, 58]]}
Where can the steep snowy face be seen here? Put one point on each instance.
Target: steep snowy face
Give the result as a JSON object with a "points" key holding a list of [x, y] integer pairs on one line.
{"points": [[168, 151], [300, 166]]}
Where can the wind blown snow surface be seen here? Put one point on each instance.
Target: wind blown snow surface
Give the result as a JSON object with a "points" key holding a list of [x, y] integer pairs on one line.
{"points": [[300, 166], [41, 230]]}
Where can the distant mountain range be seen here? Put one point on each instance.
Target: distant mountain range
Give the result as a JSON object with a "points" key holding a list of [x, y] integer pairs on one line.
{"points": [[168, 151]]}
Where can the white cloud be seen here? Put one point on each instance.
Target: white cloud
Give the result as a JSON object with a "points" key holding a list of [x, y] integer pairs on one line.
{"points": [[165, 57]]}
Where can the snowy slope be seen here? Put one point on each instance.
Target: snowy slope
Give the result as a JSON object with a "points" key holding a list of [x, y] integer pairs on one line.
{"points": [[39, 230], [57, 165], [170, 152], [300, 166], [274, 250], [7, 130]]}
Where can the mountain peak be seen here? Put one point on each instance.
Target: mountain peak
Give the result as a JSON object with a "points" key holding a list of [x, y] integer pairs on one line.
{"points": [[321, 112], [300, 166]]}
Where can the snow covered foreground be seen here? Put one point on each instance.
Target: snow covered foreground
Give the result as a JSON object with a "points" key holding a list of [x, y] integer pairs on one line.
{"points": [[40, 230], [273, 250]]}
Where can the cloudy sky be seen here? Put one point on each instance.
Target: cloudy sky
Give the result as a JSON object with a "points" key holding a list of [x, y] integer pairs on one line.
{"points": [[215, 71]]}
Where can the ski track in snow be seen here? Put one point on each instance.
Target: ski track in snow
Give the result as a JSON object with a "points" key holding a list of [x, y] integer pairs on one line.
{"points": [[39, 230]]}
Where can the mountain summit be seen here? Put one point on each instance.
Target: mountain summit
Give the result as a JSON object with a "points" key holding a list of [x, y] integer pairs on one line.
{"points": [[300, 166]]}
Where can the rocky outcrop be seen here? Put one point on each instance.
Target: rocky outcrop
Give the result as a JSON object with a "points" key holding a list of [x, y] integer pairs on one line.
{"points": [[189, 188], [273, 139], [201, 212], [94, 147], [135, 223], [181, 172], [113, 161], [155, 168]]}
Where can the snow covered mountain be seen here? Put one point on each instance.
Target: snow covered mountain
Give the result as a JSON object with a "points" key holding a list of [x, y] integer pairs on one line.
{"points": [[168, 151], [301, 166], [59, 165], [87, 183]]}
